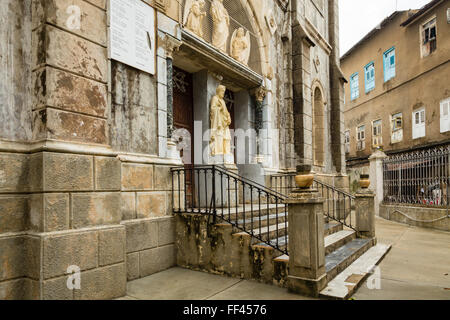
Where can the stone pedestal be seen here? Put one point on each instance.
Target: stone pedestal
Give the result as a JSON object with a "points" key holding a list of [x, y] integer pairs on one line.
{"points": [[307, 273], [376, 172], [172, 152], [365, 213]]}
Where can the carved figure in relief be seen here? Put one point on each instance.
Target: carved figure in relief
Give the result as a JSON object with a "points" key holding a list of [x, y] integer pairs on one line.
{"points": [[221, 24], [240, 46], [193, 16], [220, 143]]}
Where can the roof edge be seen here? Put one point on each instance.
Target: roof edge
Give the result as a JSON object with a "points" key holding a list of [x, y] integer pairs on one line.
{"points": [[421, 12], [380, 26]]}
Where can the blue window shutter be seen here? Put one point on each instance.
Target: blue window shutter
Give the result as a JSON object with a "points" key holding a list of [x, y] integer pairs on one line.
{"points": [[369, 71], [354, 86], [389, 64]]}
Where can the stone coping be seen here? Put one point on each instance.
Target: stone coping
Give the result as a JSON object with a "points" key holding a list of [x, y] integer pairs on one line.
{"points": [[81, 148]]}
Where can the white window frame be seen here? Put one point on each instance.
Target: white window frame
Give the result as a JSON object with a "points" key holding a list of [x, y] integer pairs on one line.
{"points": [[347, 141], [445, 115], [361, 138], [418, 123], [396, 131], [421, 31], [377, 133]]}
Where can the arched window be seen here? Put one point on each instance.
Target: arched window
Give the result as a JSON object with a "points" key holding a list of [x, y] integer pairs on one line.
{"points": [[318, 128]]}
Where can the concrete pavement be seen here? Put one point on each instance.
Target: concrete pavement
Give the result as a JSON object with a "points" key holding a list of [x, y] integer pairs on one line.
{"points": [[417, 267]]}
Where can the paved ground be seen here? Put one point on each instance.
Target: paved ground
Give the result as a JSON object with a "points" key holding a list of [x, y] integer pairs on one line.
{"points": [[417, 267]]}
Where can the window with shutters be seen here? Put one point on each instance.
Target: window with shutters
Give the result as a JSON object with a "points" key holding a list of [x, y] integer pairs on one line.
{"points": [[347, 141], [445, 115], [369, 71], [389, 64], [354, 86], [361, 138], [377, 140], [396, 127], [429, 37], [418, 124]]}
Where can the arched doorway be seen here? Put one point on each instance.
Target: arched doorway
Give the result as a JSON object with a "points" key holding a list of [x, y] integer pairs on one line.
{"points": [[318, 127]]}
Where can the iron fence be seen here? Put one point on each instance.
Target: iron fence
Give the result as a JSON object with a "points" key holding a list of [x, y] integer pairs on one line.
{"points": [[338, 205], [419, 178]]}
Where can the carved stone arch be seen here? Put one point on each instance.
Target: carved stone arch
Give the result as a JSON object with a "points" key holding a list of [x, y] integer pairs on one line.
{"points": [[258, 31], [318, 99]]}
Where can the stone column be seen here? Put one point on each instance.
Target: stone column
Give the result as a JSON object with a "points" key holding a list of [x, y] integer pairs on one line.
{"points": [[307, 273], [376, 172], [172, 45], [260, 95], [365, 209]]}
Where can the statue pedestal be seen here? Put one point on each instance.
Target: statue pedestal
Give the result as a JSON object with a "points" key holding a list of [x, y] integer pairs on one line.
{"points": [[172, 152], [226, 160]]}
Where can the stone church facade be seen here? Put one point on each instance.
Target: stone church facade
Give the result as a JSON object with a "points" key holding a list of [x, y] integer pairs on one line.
{"points": [[87, 143]]}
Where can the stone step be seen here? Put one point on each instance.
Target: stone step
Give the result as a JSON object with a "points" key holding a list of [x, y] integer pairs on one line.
{"points": [[338, 260], [348, 281], [332, 241], [265, 219], [338, 239], [282, 243], [238, 213], [332, 227], [269, 233]]}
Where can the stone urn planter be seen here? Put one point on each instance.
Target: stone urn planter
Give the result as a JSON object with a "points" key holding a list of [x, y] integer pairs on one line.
{"points": [[364, 181], [304, 178]]}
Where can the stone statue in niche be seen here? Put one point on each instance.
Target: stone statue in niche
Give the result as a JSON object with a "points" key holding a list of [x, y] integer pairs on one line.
{"points": [[240, 46], [193, 16], [220, 143], [221, 24]]}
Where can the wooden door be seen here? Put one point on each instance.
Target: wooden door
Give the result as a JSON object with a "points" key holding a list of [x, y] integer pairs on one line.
{"points": [[183, 118]]}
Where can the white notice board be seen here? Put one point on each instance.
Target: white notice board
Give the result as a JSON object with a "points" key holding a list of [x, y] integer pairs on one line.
{"points": [[132, 25]]}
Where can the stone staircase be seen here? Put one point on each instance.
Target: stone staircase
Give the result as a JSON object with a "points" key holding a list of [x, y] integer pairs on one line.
{"points": [[250, 240], [225, 249]]}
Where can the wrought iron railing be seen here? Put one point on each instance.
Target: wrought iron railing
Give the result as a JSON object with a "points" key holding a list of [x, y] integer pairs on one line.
{"points": [[338, 204], [419, 178], [221, 194]]}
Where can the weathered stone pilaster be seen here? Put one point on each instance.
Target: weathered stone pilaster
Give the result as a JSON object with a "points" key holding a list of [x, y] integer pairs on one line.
{"points": [[306, 243], [376, 172], [365, 213]]}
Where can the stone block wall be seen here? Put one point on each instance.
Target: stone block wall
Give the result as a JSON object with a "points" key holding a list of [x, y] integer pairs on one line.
{"points": [[70, 72], [60, 210], [419, 216], [89, 190], [147, 217], [111, 218]]}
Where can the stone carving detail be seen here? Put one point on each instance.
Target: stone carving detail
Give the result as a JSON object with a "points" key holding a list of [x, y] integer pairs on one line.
{"points": [[260, 94], [240, 46], [161, 5], [271, 23], [221, 24], [220, 143], [171, 46], [193, 16]]}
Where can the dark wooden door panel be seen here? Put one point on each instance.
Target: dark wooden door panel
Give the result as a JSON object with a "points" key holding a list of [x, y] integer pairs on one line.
{"points": [[183, 118]]}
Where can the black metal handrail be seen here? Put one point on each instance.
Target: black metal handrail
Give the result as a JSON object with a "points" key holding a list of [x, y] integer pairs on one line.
{"points": [[222, 194], [338, 204]]}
